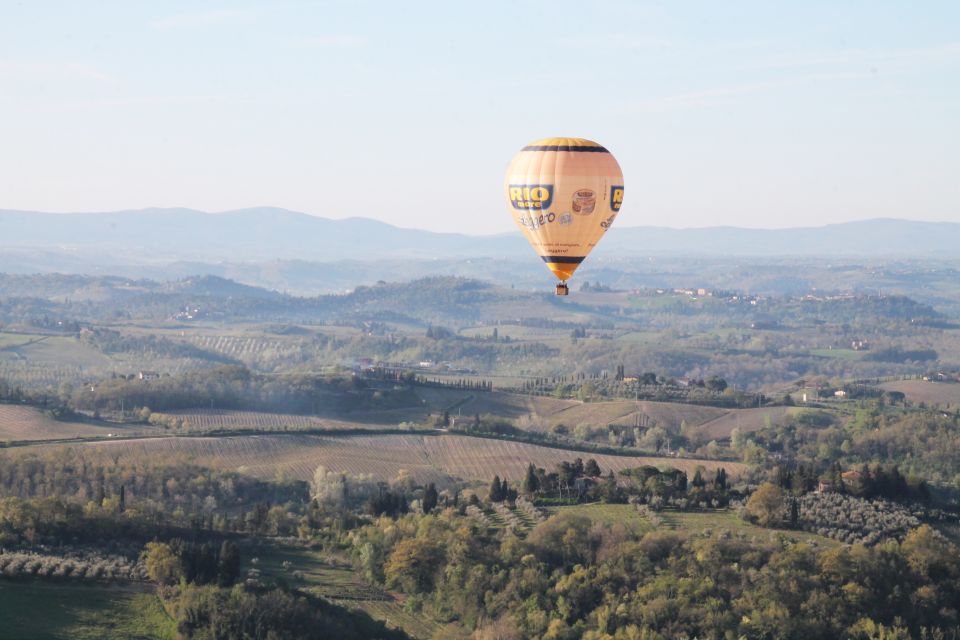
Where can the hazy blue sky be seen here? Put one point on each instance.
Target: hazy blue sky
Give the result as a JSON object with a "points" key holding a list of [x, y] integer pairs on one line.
{"points": [[764, 114]]}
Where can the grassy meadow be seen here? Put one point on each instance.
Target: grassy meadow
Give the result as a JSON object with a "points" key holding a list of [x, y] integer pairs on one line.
{"points": [[64, 611]]}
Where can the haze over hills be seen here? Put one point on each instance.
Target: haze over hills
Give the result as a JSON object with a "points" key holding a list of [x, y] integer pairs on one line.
{"points": [[159, 236]]}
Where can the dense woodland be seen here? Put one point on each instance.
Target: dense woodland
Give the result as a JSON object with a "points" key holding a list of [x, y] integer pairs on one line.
{"points": [[922, 442], [573, 578]]}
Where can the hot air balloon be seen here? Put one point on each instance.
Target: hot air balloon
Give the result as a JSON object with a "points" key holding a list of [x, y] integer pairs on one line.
{"points": [[564, 194]]}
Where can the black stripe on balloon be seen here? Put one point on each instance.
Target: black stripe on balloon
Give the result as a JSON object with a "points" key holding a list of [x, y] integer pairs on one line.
{"points": [[563, 259], [564, 147]]}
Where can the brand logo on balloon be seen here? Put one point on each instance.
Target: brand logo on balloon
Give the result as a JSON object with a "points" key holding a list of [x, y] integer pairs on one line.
{"points": [[584, 201], [531, 196], [616, 197], [535, 221]]}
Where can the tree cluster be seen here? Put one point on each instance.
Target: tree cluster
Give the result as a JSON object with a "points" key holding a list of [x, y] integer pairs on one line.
{"points": [[572, 578]]}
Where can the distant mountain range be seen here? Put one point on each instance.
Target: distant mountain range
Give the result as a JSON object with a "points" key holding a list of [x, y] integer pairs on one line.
{"points": [[163, 236], [243, 235]]}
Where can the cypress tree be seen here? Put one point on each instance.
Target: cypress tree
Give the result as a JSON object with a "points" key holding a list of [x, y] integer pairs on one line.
{"points": [[531, 483], [429, 498], [720, 481], [592, 469], [228, 566], [496, 490], [698, 481]]}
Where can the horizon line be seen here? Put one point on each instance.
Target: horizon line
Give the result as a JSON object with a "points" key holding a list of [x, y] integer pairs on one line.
{"points": [[475, 235]]}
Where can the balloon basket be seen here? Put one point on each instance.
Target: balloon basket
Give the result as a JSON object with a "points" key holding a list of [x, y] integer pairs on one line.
{"points": [[563, 289]]}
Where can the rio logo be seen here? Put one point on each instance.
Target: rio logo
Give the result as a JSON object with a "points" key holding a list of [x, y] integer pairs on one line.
{"points": [[616, 197], [531, 196]]}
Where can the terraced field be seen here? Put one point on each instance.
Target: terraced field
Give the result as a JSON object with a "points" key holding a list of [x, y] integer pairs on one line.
{"points": [[427, 458], [688, 522], [667, 414], [51, 351], [223, 419], [518, 332], [505, 405], [942, 393], [44, 361], [36, 361], [31, 375], [714, 521], [627, 515], [747, 420], [211, 419], [246, 348], [27, 423], [337, 582], [545, 412]]}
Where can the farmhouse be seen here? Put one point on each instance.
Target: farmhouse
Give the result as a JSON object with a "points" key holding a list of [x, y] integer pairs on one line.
{"points": [[940, 376], [582, 484], [851, 476]]}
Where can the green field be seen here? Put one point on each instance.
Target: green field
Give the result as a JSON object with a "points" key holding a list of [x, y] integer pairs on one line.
{"points": [[690, 522], [839, 354], [624, 514], [24, 423], [640, 337], [516, 332], [337, 582], [52, 611], [50, 350]]}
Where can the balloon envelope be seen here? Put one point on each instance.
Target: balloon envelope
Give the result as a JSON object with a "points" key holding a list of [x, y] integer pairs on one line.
{"points": [[564, 193]]}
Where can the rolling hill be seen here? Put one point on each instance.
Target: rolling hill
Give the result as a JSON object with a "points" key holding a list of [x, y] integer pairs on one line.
{"points": [[426, 458]]}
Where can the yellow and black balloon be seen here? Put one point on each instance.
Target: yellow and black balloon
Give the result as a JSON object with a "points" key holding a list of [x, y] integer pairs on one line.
{"points": [[564, 193]]}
